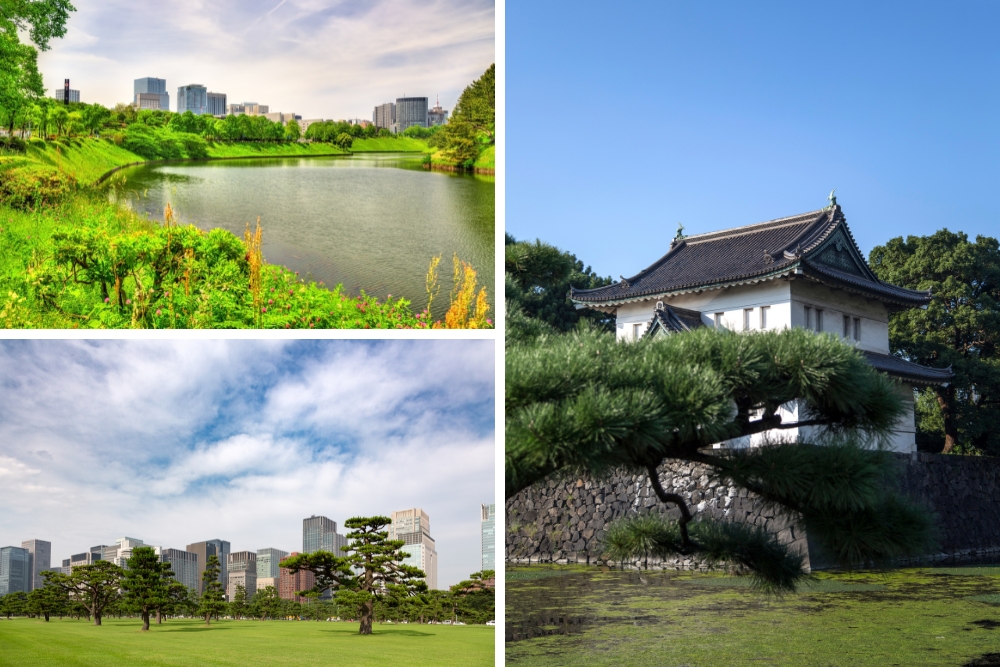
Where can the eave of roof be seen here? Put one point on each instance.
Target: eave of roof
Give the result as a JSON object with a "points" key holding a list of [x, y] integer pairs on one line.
{"points": [[909, 371]]}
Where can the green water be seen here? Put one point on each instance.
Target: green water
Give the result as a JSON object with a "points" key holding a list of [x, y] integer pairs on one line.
{"points": [[370, 222]]}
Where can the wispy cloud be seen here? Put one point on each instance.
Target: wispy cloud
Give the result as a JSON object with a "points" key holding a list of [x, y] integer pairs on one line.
{"points": [[320, 58], [175, 442]]}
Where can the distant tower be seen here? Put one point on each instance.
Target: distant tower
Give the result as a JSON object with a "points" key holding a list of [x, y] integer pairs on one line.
{"points": [[66, 92]]}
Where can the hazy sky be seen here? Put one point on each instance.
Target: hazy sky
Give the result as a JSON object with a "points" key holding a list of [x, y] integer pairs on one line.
{"points": [[720, 114], [175, 442], [318, 58]]}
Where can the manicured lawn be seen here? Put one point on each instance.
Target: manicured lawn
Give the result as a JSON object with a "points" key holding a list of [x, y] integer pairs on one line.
{"points": [[185, 642], [588, 617]]}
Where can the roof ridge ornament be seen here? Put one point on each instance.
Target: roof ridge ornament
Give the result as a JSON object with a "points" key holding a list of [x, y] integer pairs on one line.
{"points": [[624, 281], [680, 232], [832, 198]]}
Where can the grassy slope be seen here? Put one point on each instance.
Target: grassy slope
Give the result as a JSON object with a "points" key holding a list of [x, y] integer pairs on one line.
{"points": [[389, 144], [184, 642], [218, 150], [905, 617]]}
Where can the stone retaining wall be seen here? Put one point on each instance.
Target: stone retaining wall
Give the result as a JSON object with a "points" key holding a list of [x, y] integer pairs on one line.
{"points": [[563, 521]]}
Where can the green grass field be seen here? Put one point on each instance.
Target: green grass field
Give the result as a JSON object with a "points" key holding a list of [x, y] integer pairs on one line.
{"points": [[389, 145], [184, 642], [588, 617]]}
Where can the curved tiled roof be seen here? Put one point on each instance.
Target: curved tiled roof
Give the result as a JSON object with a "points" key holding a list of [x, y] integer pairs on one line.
{"points": [[747, 254], [907, 370]]}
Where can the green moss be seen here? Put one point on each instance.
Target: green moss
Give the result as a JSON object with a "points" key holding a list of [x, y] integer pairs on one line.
{"points": [[184, 642], [595, 617]]}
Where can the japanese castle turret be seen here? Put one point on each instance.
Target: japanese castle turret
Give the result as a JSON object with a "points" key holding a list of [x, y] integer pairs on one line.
{"points": [[802, 271]]}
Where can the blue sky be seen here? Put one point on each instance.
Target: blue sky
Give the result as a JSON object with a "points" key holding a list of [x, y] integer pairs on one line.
{"points": [[175, 442], [319, 58], [623, 120]]}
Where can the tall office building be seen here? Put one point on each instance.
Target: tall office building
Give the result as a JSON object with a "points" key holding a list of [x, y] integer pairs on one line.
{"points": [[489, 537], [437, 115], [121, 551], [289, 583], [385, 115], [216, 104], [60, 95], [15, 570], [39, 560], [241, 570], [410, 111], [319, 533], [267, 562], [219, 548], [184, 565], [194, 98], [148, 91], [413, 527]]}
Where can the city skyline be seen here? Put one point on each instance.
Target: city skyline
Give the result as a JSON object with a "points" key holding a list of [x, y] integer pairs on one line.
{"points": [[240, 440], [378, 51]]}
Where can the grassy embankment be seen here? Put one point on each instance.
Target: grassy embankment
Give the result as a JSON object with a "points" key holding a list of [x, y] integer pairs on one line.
{"points": [[484, 164], [85, 262], [918, 616], [182, 642]]}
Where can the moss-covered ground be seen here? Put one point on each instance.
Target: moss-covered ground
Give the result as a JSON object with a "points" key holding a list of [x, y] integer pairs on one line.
{"points": [[585, 616], [184, 642]]}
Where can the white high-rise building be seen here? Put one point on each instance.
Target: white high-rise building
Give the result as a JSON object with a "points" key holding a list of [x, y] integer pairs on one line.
{"points": [[488, 537], [413, 527], [121, 551]]}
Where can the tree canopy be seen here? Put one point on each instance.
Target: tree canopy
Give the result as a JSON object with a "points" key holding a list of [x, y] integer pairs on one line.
{"points": [[95, 586], [372, 571], [143, 583], [213, 600], [584, 403], [960, 328]]}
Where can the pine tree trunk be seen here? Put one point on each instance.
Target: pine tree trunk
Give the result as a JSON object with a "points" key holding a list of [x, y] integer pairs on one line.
{"points": [[208, 619], [367, 612], [46, 616], [97, 618], [946, 401], [145, 620], [159, 617]]}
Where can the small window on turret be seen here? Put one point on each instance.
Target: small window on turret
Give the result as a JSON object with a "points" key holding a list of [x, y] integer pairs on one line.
{"points": [[763, 317], [857, 328], [847, 326], [809, 312], [819, 320], [718, 320]]}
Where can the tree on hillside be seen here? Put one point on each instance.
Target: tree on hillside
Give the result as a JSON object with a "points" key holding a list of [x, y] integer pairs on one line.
{"points": [[143, 585], [213, 600], [539, 277], [372, 569], [476, 106], [95, 586], [959, 328], [292, 130], [584, 403], [344, 141]]}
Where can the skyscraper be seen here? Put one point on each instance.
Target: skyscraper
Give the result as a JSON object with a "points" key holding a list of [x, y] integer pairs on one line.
{"points": [[413, 527], [121, 551], [320, 533], [267, 562], [489, 538], [437, 115], [216, 104], [15, 570], [60, 94], [385, 115], [39, 560], [219, 548], [194, 98], [410, 111], [184, 565], [289, 583], [241, 570], [147, 87]]}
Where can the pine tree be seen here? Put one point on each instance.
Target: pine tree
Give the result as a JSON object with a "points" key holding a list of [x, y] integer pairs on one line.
{"points": [[213, 600], [47, 600], [266, 603], [96, 587], [238, 605], [372, 570], [583, 403], [142, 583]]}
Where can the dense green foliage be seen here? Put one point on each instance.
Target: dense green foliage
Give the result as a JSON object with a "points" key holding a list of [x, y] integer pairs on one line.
{"points": [[229, 643], [927, 616], [95, 587], [471, 128], [143, 584], [213, 601], [584, 403], [538, 279], [960, 328], [372, 571]]}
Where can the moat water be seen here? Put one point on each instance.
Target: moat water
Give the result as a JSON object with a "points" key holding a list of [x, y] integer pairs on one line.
{"points": [[370, 222]]}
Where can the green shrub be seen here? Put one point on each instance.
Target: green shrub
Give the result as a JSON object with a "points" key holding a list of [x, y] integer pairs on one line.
{"points": [[142, 140], [195, 147], [32, 186], [13, 144]]}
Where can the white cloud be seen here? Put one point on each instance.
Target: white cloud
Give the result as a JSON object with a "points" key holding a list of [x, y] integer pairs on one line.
{"points": [[175, 442], [319, 58]]}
